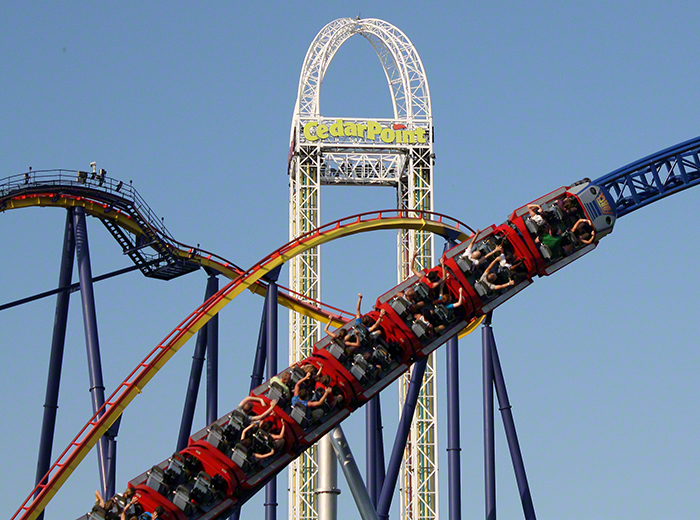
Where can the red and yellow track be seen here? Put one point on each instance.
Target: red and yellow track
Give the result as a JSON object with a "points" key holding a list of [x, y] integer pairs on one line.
{"points": [[250, 279]]}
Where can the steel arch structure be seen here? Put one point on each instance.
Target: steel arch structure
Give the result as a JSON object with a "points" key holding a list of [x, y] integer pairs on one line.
{"points": [[403, 68], [403, 158]]}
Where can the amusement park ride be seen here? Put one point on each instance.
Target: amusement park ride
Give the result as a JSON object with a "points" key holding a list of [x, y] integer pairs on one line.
{"points": [[217, 469]]}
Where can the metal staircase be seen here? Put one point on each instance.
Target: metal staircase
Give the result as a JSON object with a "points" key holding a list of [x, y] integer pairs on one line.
{"points": [[167, 260], [165, 264]]}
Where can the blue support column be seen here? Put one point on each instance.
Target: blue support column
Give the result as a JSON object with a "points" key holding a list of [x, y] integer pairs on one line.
{"points": [[256, 378], [489, 447], [112, 461], [97, 389], [453, 435], [371, 449], [271, 329], [272, 347], [511, 435], [212, 355], [453, 420], [409, 407], [56, 357], [193, 385], [111, 436], [381, 475], [374, 449]]}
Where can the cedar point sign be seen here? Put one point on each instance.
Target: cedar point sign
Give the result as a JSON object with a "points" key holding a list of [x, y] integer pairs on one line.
{"points": [[396, 133]]}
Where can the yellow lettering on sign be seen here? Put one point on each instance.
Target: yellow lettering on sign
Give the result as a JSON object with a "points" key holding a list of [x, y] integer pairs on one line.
{"points": [[307, 131], [373, 128], [313, 131], [336, 128], [351, 129], [388, 135], [322, 131]]}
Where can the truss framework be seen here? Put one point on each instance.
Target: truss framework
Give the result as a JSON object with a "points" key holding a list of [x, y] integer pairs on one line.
{"points": [[394, 152], [419, 489], [304, 275], [654, 177]]}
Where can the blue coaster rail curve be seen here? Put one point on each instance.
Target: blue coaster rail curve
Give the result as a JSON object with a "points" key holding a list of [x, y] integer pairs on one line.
{"points": [[654, 177]]}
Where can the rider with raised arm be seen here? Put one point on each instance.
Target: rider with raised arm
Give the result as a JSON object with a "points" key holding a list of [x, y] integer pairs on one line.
{"points": [[489, 278], [365, 326], [584, 231], [476, 257]]}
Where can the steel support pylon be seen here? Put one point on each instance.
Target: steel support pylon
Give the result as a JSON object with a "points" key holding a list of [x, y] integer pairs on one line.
{"points": [[493, 379], [419, 489], [57, 347], [394, 152], [97, 389], [304, 276]]}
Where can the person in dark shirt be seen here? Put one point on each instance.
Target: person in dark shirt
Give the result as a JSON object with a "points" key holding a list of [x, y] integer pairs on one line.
{"points": [[583, 230]]}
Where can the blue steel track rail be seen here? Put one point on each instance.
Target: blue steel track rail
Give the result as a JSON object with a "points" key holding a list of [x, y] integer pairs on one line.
{"points": [[654, 177]]}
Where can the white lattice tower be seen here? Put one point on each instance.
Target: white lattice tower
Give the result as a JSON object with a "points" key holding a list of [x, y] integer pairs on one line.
{"points": [[419, 484], [304, 275], [394, 152]]}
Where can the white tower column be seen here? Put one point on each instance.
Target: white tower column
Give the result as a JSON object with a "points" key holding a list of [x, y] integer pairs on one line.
{"points": [[394, 152]]}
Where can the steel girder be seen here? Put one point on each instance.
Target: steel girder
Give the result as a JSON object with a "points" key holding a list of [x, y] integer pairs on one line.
{"points": [[349, 159], [654, 177], [402, 66], [304, 275]]}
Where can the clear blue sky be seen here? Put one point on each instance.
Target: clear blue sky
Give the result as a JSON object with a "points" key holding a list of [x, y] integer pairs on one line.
{"points": [[194, 105]]}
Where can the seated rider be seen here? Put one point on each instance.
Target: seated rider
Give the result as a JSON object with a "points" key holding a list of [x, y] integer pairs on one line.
{"points": [[568, 206], [536, 215], [365, 327], [560, 244], [475, 257], [415, 304], [432, 280], [301, 395], [283, 380], [452, 306], [115, 505], [246, 406], [349, 341], [159, 512], [421, 317], [276, 439], [446, 301], [584, 231], [490, 278], [323, 383], [365, 359]]}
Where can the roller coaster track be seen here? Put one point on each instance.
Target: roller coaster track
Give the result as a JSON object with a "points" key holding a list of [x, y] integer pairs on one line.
{"points": [[654, 177], [633, 186], [136, 228], [159, 356]]}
